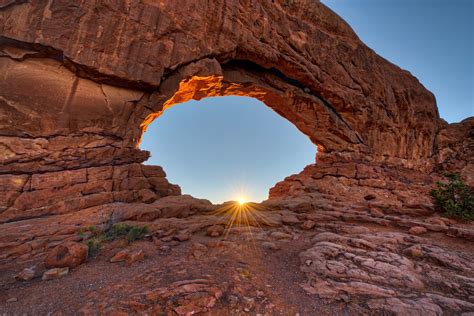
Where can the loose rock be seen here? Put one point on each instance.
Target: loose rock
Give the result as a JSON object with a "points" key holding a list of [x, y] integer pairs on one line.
{"points": [[69, 254], [55, 273], [417, 230], [128, 255], [27, 274]]}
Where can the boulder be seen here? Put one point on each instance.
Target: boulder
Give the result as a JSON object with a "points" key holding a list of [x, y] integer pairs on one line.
{"points": [[68, 254], [280, 235], [290, 219], [215, 231], [270, 245], [417, 230], [181, 236], [309, 224]]}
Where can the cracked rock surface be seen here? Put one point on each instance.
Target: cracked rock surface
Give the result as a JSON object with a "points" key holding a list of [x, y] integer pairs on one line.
{"points": [[277, 264]]}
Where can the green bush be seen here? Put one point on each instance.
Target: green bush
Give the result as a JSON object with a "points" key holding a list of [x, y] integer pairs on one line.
{"points": [[116, 231], [136, 233], [95, 237], [131, 233], [94, 245], [454, 198]]}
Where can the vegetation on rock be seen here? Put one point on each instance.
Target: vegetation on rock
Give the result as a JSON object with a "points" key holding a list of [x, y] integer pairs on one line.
{"points": [[454, 198], [94, 237], [130, 232]]}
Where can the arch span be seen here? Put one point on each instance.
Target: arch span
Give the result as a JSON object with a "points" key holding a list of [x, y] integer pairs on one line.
{"points": [[308, 112]]}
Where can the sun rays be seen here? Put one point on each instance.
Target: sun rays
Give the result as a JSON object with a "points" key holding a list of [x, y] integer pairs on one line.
{"points": [[242, 215], [241, 200]]}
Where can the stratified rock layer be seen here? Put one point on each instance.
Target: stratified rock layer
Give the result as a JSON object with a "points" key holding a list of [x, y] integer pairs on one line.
{"points": [[52, 193]]}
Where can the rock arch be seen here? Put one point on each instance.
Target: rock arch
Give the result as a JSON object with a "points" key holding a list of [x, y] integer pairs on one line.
{"points": [[80, 81], [79, 85], [307, 112]]}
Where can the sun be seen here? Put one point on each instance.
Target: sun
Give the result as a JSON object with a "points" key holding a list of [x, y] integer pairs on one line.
{"points": [[241, 200]]}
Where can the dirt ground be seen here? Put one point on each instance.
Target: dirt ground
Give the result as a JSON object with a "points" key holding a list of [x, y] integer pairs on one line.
{"points": [[253, 279]]}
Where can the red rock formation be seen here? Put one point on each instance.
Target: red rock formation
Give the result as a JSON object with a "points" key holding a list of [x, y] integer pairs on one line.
{"points": [[456, 149], [53, 193], [298, 57], [80, 83]]}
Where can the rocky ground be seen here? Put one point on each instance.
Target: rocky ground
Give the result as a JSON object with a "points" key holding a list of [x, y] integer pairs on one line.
{"points": [[289, 258]]}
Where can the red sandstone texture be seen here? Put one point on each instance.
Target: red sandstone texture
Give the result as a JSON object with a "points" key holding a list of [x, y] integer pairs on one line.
{"points": [[80, 83]]}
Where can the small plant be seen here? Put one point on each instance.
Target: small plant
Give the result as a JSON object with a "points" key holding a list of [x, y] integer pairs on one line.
{"points": [[116, 231], [136, 233], [454, 198], [94, 237], [131, 233], [81, 234], [94, 245]]}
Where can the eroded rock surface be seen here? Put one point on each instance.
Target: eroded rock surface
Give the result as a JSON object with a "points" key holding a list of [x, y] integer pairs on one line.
{"points": [[69, 254], [385, 269], [354, 261]]}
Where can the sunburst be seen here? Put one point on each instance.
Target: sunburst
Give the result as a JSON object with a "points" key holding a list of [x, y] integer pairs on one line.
{"points": [[243, 215], [241, 200]]}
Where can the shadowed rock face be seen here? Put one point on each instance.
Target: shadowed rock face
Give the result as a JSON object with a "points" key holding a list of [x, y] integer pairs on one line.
{"points": [[80, 83]]}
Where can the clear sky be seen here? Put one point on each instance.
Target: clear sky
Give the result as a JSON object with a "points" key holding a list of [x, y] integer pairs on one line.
{"points": [[224, 148], [227, 147]]}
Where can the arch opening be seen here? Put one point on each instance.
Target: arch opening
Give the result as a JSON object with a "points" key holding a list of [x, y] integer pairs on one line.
{"points": [[226, 148], [306, 110]]}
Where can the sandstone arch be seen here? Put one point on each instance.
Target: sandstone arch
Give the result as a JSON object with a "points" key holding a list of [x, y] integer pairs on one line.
{"points": [[80, 81], [79, 84], [307, 112]]}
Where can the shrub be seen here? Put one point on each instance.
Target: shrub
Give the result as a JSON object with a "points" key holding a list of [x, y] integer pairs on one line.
{"points": [[132, 233], [94, 245], [136, 233], [96, 237], [116, 231], [454, 198]]}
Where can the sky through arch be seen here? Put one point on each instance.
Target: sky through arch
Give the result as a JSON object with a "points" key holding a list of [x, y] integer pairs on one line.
{"points": [[225, 148]]}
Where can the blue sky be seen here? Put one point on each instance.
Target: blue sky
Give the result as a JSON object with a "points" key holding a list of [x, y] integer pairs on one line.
{"points": [[227, 147], [224, 148]]}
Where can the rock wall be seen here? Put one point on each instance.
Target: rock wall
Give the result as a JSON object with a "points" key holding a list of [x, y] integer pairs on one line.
{"points": [[80, 83], [61, 192]]}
